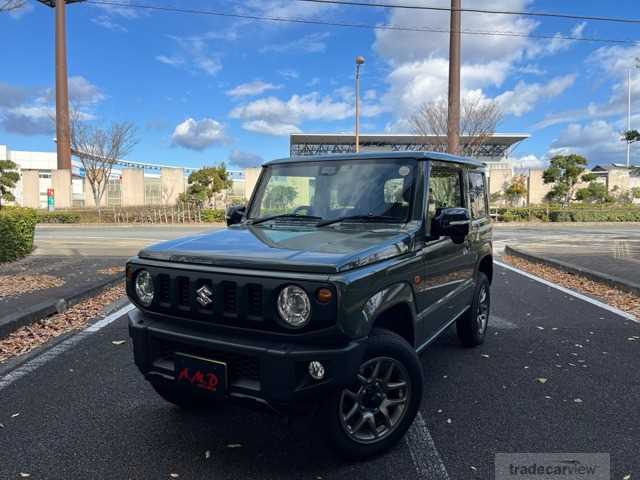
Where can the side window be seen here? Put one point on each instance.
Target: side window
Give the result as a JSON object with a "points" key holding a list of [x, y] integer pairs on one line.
{"points": [[477, 194], [445, 189]]}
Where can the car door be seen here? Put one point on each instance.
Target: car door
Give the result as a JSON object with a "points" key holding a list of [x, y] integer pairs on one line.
{"points": [[480, 235], [447, 266]]}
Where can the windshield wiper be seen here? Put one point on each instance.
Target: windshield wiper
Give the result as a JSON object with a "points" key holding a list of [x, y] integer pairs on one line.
{"points": [[366, 218], [284, 215]]}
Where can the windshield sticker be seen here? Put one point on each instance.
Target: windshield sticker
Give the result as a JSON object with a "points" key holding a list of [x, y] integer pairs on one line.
{"points": [[404, 171]]}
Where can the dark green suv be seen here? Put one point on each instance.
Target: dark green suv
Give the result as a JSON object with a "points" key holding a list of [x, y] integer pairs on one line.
{"points": [[321, 293]]}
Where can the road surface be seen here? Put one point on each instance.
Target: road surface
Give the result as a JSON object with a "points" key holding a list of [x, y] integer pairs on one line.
{"points": [[82, 410]]}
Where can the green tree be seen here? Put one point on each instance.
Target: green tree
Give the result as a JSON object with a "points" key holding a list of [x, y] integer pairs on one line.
{"points": [[205, 183], [280, 196], [516, 190], [631, 136], [564, 172], [8, 179], [595, 192]]}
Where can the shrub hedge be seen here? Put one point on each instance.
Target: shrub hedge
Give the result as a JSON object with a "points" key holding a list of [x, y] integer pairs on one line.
{"points": [[211, 215], [58, 217], [574, 213], [17, 227]]}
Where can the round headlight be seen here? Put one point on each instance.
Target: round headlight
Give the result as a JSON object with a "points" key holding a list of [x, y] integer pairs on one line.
{"points": [[294, 306], [144, 288]]}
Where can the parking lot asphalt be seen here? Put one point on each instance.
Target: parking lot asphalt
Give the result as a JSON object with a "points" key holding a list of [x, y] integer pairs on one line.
{"points": [[556, 374]]}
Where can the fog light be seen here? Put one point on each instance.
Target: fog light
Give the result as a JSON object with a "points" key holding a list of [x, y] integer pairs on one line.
{"points": [[316, 370]]}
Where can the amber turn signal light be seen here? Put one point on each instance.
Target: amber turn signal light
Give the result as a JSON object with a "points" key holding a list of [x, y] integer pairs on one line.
{"points": [[324, 295]]}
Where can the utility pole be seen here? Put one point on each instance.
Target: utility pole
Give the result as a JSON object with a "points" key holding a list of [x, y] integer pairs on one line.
{"points": [[637, 65], [359, 61], [453, 118], [63, 134]]}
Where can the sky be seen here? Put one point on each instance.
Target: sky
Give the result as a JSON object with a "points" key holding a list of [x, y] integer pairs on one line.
{"points": [[205, 89]]}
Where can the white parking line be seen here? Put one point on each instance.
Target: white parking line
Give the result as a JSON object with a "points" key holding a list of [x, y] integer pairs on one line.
{"points": [[52, 353], [597, 303], [424, 454]]}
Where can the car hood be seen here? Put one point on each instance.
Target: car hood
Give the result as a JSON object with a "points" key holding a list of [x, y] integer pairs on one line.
{"points": [[317, 250]]}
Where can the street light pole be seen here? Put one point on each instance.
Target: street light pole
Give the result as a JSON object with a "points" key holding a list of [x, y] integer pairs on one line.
{"points": [[359, 61], [453, 113], [63, 144], [637, 65]]}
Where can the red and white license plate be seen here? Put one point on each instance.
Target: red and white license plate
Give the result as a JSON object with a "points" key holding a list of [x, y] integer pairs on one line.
{"points": [[201, 373]]}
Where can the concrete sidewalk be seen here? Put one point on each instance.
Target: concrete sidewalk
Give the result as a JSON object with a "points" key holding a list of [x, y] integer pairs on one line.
{"points": [[80, 277], [614, 261]]}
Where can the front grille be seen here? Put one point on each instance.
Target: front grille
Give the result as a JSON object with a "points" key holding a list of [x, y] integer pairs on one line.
{"points": [[230, 297], [184, 297], [254, 306], [239, 301], [164, 288]]}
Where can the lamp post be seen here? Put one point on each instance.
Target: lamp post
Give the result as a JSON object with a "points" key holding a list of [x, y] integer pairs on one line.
{"points": [[359, 61], [637, 65]]}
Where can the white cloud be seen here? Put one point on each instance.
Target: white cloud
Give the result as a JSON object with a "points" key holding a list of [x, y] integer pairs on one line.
{"points": [[524, 97], [174, 61], [270, 127], [311, 43], [400, 47], [528, 161], [107, 22], [288, 73], [558, 44], [608, 63], [244, 159], [199, 134], [285, 8], [83, 92], [119, 10], [29, 120], [419, 67], [195, 55], [599, 141], [274, 116], [251, 88]]}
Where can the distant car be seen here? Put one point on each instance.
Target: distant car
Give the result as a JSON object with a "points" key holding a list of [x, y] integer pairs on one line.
{"points": [[322, 292]]}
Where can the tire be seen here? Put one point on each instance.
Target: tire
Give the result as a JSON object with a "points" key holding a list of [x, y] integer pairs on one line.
{"points": [[472, 326], [384, 348], [182, 398]]}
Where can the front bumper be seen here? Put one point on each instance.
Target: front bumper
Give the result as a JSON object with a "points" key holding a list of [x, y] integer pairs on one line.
{"points": [[270, 372]]}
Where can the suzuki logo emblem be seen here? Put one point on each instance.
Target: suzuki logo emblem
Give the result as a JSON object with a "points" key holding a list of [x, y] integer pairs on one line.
{"points": [[204, 296]]}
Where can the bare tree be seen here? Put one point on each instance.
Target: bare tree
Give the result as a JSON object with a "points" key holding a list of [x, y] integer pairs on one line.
{"points": [[8, 5], [99, 149], [478, 121]]}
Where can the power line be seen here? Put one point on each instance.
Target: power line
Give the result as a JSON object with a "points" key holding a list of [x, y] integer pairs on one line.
{"points": [[478, 10], [354, 25]]}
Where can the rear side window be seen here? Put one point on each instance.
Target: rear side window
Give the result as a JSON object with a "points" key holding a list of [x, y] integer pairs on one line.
{"points": [[445, 189], [478, 194]]}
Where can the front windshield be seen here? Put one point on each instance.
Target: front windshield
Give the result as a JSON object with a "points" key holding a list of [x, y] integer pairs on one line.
{"points": [[332, 190]]}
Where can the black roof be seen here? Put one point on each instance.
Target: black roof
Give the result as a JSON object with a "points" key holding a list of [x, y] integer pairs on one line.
{"points": [[441, 157]]}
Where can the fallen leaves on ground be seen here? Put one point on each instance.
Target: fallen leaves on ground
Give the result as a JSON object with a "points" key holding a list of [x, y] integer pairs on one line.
{"points": [[11, 285], [119, 342], [111, 270], [31, 336], [541, 380], [625, 301]]}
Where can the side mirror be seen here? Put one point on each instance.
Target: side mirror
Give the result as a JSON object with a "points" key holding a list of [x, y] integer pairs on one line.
{"points": [[235, 214], [451, 222]]}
